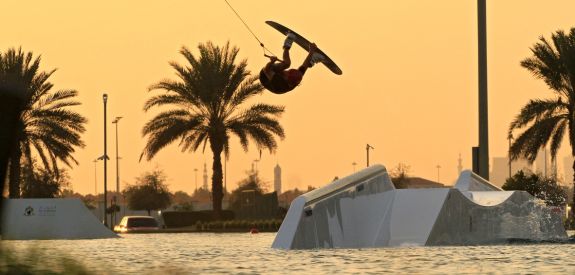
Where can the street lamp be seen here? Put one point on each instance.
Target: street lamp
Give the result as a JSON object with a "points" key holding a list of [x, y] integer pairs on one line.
{"points": [[116, 120], [105, 156], [509, 138], [438, 167], [353, 163], [483, 152], [97, 201], [95, 178], [367, 149]]}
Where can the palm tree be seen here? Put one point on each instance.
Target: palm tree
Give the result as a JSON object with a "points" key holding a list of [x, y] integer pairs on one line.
{"points": [[46, 126], [546, 121], [204, 107]]}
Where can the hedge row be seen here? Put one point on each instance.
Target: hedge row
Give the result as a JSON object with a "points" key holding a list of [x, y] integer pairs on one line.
{"points": [[239, 225], [174, 219]]}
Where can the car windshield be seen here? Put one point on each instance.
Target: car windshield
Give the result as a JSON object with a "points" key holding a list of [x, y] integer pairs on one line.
{"points": [[142, 222]]}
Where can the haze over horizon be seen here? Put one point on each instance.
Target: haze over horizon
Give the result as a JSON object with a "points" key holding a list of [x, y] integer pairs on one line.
{"points": [[409, 83]]}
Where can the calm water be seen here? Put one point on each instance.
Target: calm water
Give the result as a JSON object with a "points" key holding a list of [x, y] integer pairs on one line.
{"points": [[249, 254]]}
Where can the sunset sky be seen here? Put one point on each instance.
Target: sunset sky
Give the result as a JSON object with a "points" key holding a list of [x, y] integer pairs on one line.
{"points": [[409, 83]]}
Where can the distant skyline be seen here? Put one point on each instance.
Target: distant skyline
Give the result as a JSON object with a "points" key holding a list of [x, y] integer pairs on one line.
{"points": [[409, 86], [562, 168]]}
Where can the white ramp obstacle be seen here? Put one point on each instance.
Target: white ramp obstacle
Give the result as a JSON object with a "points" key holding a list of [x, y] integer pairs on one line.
{"points": [[47, 219], [365, 210]]}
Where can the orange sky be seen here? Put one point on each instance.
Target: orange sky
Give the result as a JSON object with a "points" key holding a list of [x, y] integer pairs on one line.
{"points": [[409, 86]]}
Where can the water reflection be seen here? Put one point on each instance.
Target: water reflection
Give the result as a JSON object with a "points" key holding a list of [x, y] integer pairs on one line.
{"points": [[245, 253]]}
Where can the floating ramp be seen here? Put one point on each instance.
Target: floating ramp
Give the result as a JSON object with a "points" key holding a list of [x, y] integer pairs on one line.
{"points": [[49, 219], [365, 210]]}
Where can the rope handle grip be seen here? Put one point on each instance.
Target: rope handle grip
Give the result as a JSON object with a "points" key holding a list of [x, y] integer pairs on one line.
{"points": [[270, 56]]}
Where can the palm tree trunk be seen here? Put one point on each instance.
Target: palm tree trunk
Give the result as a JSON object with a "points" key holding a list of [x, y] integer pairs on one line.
{"points": [[573, 200], [14, 183], [11, 101], [217, 178], [572, 142]]}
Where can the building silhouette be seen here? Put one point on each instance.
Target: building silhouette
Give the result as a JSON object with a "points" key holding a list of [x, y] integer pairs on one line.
{"points": [[278, 179], [500, 169], [542, 163]]}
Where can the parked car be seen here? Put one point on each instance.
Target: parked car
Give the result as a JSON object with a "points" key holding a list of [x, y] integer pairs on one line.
{"points": [[137, 224]]}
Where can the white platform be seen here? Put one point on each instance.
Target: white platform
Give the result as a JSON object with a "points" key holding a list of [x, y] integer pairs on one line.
{"points": [[365, 210], [46, 219]]}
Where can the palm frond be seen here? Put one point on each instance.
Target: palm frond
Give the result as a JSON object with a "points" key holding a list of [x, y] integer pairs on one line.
{"points": [[58, 99], [557, 138], [554, 63], [545, 64], [41, 152], [264, 109], [194, 141], [249, 88], [262, 138], [167, 127], [39, 87], [538, 109], [237, 128], [165, 120], [166, 99], [534, 138]]}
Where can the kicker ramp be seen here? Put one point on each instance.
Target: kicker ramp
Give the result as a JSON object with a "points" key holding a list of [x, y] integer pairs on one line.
{"points": [[49, 219], [365, 210]]}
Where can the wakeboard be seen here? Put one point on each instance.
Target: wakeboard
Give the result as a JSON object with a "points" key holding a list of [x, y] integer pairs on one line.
{"points": [[305, 44]]}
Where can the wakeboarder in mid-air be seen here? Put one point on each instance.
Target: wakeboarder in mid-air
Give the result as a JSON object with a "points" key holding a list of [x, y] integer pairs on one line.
{"points": [[277, 76]]}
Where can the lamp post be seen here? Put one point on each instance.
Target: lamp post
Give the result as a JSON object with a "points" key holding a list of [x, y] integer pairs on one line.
{"points": [[438, 167], [483, 152], [509, 138], [353, 163], [95, 178], [367, 149], [97, 201], [254, 170], [116, 120], [105, 156]]}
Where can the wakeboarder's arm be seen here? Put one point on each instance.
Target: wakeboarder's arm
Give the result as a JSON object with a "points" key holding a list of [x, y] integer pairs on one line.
{"points": [[270, 64]]}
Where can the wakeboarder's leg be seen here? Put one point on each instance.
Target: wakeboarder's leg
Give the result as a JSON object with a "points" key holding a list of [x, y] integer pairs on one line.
{"points": [[312, 58], [286, 62]]}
